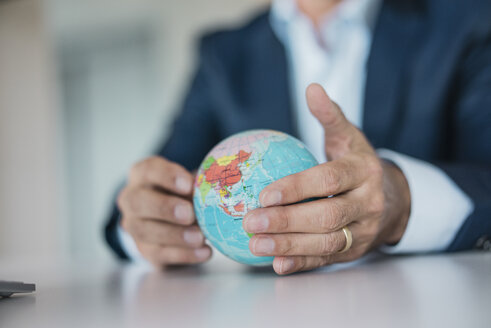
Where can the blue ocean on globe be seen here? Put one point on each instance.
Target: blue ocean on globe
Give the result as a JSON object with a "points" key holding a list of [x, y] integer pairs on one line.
{"points": [[230, 179]]}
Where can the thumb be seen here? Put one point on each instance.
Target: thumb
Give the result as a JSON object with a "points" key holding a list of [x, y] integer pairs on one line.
{"points": [[340, 136], [326, 111]]}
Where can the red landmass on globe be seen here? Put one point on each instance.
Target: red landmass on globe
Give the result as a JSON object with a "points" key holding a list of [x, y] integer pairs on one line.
{"points": [[226, 210], [226, 175], [239, 207]]}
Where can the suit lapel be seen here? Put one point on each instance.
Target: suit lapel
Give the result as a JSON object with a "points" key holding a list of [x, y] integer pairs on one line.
{"points": [[393, 43], [269, 80]]}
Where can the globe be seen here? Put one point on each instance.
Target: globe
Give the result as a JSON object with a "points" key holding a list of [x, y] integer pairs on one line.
{"points": [[230, 179]]}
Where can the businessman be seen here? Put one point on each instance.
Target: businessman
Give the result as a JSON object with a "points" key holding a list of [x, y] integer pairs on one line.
{"points": [[393, 97]]}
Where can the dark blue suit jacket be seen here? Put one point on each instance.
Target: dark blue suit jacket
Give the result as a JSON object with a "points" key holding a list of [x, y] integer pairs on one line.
{"points": [[428, 95]]}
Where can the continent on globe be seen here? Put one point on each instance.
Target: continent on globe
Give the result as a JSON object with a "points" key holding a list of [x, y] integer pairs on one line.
{"points": [[230, 179]]}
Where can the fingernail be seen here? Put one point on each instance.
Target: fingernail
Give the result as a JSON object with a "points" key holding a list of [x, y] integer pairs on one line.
{"points": [[256, 223], [263, 245], [193, 237], [202, 253], [271, 198], [287, 264], [183, 184], [183, 213]]}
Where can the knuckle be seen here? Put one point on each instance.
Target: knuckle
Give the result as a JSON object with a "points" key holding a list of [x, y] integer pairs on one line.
{"points": [[373, 166], [133, 201], [328, 244], [137, 168], [372, 230], [287, 246], [334, 213], [331, 182], [142, 169], [325, 260], [340, 142], [174, 169], [377, 204], [324, 223], [333, 116], [165, 207], [296, 186], [145, 168], [301, 264], [162, 234], [133, 175], [285, 216], [188, 257]]}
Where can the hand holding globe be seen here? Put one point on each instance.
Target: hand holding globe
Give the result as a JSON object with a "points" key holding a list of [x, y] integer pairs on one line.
{"points": [[371, 204], [263, 167], [230, 180]]}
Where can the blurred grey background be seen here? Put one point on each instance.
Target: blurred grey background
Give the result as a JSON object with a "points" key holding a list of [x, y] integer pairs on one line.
{"points": [[86, 89]]}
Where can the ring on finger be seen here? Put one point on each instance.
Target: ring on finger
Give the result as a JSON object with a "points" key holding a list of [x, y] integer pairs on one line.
{"points": [[349, 239]]}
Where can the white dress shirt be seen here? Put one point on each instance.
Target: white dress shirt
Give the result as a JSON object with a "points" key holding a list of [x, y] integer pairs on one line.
{"points": [[335, 55]]}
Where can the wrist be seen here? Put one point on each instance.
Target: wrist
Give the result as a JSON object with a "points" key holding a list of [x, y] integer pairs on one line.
{"points": [[397, 203]]}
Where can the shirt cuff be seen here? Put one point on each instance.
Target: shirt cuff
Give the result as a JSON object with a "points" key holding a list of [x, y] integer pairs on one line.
{"points": [[438, 206], [128, 245]]}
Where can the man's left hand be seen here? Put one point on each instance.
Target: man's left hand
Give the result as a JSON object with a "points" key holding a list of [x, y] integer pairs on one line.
{"points": [[369, 196]]}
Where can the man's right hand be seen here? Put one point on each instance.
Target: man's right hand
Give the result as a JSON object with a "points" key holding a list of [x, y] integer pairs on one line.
{"points": [[157, 212]]}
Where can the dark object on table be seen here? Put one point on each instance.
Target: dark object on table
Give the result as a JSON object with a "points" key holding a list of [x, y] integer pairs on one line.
{"points": [[7, 288]]}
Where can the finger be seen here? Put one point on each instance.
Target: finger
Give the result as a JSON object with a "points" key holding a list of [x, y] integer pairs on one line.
{"points": [[323, 180], [153, 204], [340, 135], [168, 255], [289, 264], [294, 244], [163, 234], [318, 216], [360, 246], [161, 173]]}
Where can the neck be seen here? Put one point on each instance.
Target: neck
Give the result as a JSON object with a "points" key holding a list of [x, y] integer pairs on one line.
{"points": [[317, 9]]}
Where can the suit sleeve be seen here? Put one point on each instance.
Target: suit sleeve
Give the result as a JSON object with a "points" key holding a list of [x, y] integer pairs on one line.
{"points": [[470, 168], [194, 133]]}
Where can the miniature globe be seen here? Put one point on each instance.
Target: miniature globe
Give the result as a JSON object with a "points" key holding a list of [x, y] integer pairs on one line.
{"points": [[230, 179]]}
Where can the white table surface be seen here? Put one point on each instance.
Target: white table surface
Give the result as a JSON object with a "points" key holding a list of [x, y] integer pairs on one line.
{"points": [[413, 291]]}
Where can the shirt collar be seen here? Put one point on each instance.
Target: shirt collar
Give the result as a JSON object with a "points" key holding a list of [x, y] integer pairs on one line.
{"points": [[364, 12]]}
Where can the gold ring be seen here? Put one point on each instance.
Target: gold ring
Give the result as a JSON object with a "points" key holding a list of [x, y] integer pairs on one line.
{"points": [[349, 240]]}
